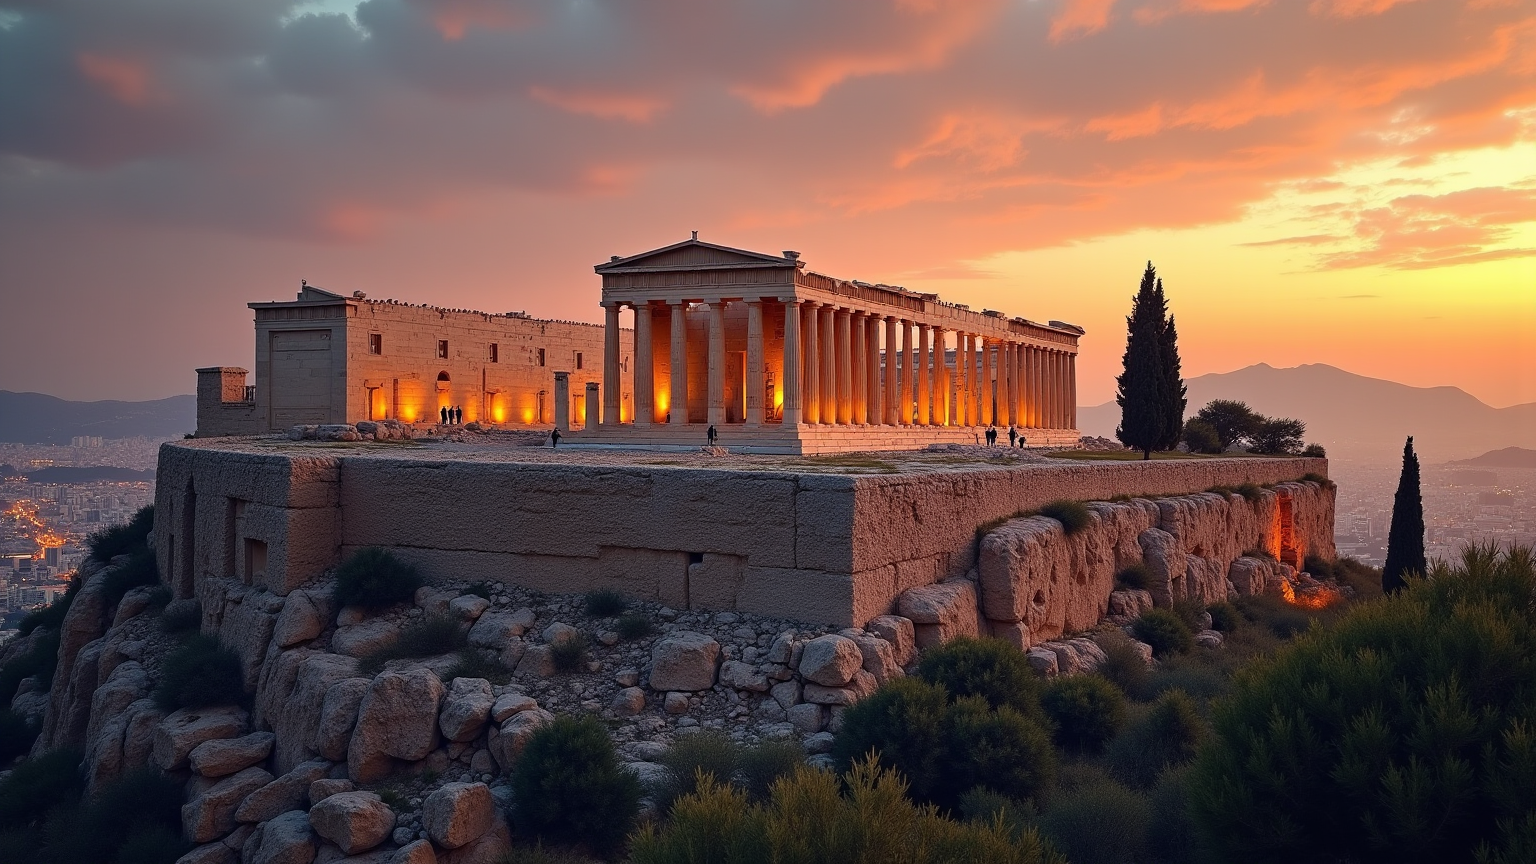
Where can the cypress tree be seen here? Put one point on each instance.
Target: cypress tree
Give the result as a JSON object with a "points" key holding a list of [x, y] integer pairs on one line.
{"points": [[1405, 540], [1150, 391]]}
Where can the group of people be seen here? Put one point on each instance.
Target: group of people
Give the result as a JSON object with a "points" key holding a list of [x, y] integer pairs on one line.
{"points": [[1015, 438], [451, 415]]}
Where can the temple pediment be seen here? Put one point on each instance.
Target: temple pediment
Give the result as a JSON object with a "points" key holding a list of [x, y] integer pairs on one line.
{"points": [[695, 255]]}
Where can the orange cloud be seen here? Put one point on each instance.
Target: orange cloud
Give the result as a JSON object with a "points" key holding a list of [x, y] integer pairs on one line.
{"points": [[1419, 232], [128, 81], [980, 140], [1080, 18], [1352, 8], [607, 106], [453, 18]]}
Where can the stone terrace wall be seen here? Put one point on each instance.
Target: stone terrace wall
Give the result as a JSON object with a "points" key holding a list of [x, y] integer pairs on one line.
{"points": [[827, 548]]}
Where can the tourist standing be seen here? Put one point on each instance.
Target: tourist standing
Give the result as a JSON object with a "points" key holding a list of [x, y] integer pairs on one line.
{"points": [[1013, 436], [442, 414], [458, 415], [554, 439], [711, 434]]}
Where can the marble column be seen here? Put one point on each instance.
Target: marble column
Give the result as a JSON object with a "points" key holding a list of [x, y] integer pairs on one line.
{"points": [[962, 381], [844, 326], [563, 401], [1071, 391], [988, 386], [612, 390], [924, 386], [859, 352], [876, 414], [1004, 383], [1053, 389], [1035, 396], [812, 394], [940, 379], [892, 396], [677, 408], [757, 381], [645, 371], [793, 413], [827, 342], [908, 372], [716, 363], [1018, 384], [978, 384]]}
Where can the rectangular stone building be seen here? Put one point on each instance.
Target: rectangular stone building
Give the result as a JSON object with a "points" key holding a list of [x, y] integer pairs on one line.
{"points": [[326, 358]]}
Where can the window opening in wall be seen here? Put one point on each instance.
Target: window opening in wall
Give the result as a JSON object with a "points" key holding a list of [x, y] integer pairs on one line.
{"points": [[493, 352], [541, 356], [375, 343], [578, 359], [442, 349], [255, 560]]}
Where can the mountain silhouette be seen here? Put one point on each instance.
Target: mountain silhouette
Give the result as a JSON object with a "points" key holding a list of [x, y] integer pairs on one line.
{"points": [[1355, 415], [37, 418], [1509, 457]]}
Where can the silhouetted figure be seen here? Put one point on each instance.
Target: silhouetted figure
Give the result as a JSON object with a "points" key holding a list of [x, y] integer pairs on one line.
{"points": [[711, 434], [1013, 436], [458, 415], [554, 438], [991, 436], [1021, 441], [442, 413]]}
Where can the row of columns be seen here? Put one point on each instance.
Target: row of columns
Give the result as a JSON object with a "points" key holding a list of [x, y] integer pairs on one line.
{"points": [[832, 371]]}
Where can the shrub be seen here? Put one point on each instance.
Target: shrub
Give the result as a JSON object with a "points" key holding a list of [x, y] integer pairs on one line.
{"points": [[1224, 616], [760, 766], [1102, 823], [1191, 610], [1123, 665], [200, 673], [1137, 577], [1424, 700], [537, 854], [569, 788], [1072, 515], [569, 653], [1278, 435], [1282, 619], [1200, 436], [987, 667], [16, 736], [133, 813], [1165, 631], [1001, 750], [1087, 710], [904, 722], [633, 626], [374, 578], [1166, 737], [181, 617], [692, 758], [125, 539], [429, 637], [137, 571], [1250, 491], [1233, 421], [1173, 837], [605, 604], [472, 664], [38, 785], [809, 819], [40, 660], [1315, 451]]}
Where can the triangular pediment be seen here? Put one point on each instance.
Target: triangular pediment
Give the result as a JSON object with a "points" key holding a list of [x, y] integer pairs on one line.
{"points": [[694, 254]]}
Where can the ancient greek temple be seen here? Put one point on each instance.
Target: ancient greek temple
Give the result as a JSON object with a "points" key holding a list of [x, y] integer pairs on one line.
{"points": [[780, 359]]}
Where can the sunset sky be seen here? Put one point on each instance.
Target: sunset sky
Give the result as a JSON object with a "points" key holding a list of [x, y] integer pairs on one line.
{"points": [[1349, 182]]}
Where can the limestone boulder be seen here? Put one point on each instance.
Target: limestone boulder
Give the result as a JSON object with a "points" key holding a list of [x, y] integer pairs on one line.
{"points": [[1076, 656], [496, 630], [684, 660], [286, 839], [211, 814], [743, 676], [492, 847], [127, 684], [338, 716], [514, 735], [941, 612], [535, 661], [292, 699], [830, 660], [468, 607], [288, 792], [69, 703], [396, 720], [364, 638], [133, 604], [628, 702], [808, 717], [860, 686], [466, 708], [302, 618], [224, 756], [1209, 639], [354, 821], [418, 852], [559, 631], [325, 787], [508, 704], [1166, 561], [1127, 604], [210, 853], [897, 631], [879, 657], [1043, 660], [1250, 575], [183, 730], [458, 813], [786, 693], [247, 630]]}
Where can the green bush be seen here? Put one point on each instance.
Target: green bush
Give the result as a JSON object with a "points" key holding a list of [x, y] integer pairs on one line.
{"points": [[1137, 577], [999, 749], [906, 723], [569, 788], [200, 673], [569, 653], [1224, 616], [16, 736], [472, 664], [137, 571], [1315, 451], [52, 615], [1074, 516], [1165, 738], [633, 626], [1122, 664], [1200, 436], [1403, 732], [40, 661], [705, 754], [1282, 619], [374, 578], [37, 786], [124, 539], [429, 637], [1102, 823], [179, 618], [605, 604], [1165, 631], [761, 765], [1173, 837], [809, 819], [537, 854], [987, 667], [1087, 710], [1191, 610], [132, 814]]}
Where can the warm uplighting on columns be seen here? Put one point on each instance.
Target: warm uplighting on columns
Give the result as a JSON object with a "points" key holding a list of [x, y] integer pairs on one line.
{"points": [[677, 400], [792, 362], [757, 381], [812, 394], [645, 373], [924, 390], [1071, 391], [908, 370], [611, 386], [716, 362], [828, 345], [892, 396], [940, 379], [843, 322], [859, 351], [876, 412]]}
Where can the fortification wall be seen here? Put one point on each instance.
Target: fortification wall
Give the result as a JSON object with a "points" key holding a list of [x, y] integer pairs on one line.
{"points": [[818, 547]]}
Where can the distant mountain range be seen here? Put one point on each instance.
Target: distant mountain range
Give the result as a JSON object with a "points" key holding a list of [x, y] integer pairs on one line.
{"points": [[36, 418], [1509, 457], [1354, 415]]}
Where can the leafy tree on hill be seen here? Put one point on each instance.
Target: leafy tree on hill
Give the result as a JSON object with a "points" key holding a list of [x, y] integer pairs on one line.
{"points": [[1233, 421], [1278, 435], [1150, 390], [1405, 539]]}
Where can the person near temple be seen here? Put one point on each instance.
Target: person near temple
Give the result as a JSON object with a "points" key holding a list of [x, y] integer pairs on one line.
{"points": [[554, 438], [1013, 436], [711, 434], [443, 414], [458, 414]]}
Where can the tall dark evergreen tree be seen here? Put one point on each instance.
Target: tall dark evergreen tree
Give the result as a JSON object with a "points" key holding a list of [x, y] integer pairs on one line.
{"points": [[1151, 389], [1405, 540]]}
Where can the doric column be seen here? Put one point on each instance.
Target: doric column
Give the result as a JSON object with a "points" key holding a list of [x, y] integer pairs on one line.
{"points": [[611, 387], [757, 381], [940, 415], [858, 352], [812, 395], [1044, 358], [1018, 384], [793, 414], [1004, 383], [716, 362], [908, 372], [828, 345], [924, 386], [1053, 391], [563, 401], [1071, 391], [645, 371], [978, 384], [677, 396], [892, 397], [1035, 396], [962, 381], [844, 321], [1064, 410], [872, 370]]}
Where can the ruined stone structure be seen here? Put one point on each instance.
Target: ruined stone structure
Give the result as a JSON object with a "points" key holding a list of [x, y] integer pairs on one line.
{"points": [[327, 359], [780, 359]]}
